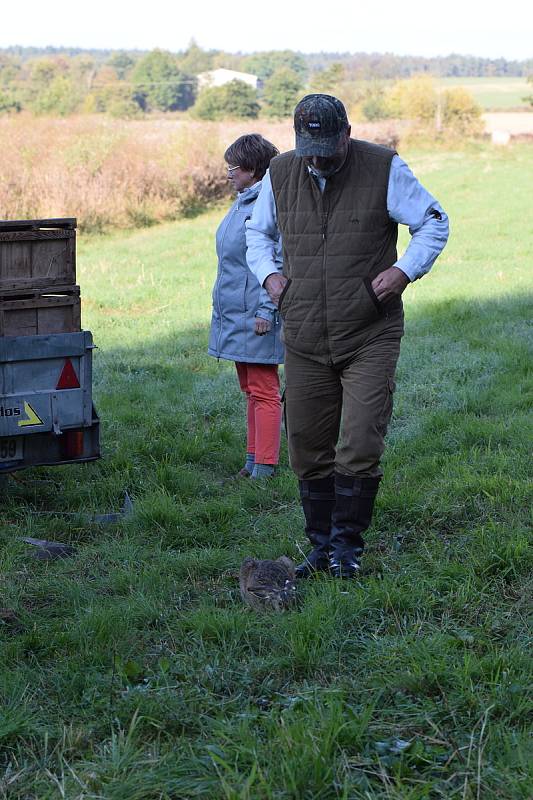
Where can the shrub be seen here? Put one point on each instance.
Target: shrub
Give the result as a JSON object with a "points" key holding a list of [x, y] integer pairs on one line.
{"points": [[374, 106], [452, 112], [329, 80], [529, 98], [234, 99], [118, 101], [60, 98], [108, 173], [8, 103], [460, 112], [161, 84], [281, 93], [265, 64], [414, 99], [122, 63]]}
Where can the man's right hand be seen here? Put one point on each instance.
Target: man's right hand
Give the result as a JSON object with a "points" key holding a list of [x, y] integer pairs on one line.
{"points": [[274, 284]]}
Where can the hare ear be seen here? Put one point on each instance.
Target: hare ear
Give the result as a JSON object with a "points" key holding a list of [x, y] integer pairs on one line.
{"points": [[247, 565], [286, 562]]}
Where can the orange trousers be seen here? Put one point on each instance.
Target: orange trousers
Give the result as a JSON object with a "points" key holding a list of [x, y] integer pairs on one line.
{"points": [[260, 383]]}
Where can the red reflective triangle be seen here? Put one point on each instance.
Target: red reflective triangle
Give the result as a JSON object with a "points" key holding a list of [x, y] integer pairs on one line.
{"points": [[68, 378]]}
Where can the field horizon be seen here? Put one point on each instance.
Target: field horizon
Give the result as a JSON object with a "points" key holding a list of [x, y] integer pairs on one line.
{"points": [[494, 94]]}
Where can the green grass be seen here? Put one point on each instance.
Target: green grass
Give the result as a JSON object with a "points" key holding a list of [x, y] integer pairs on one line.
{"points": [[133, 671], [494, 94]]}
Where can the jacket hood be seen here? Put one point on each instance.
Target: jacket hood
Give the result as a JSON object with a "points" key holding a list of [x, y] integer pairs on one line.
{"points": [[249, 195]]}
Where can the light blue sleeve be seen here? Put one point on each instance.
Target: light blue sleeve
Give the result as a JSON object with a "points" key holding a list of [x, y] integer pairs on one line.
{"points": [[409, 203], [266, 308], [263, 238]]}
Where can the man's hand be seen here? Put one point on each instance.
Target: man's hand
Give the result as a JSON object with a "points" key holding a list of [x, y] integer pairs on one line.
{"points": [[274, 284], [262, 326], [389, 284]]}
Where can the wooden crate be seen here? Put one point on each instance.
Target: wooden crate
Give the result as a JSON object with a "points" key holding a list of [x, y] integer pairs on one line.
{"points": [[36, 314], [37, 254]]}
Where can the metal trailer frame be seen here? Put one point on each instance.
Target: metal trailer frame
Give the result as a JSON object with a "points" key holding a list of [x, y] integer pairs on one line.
{"points": [[47, 415]]}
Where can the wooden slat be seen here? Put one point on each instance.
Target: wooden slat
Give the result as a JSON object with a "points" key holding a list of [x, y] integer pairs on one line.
{"points": [[32, 224], [41, 302], [37, 260], [40, 316], [15, 261], [51, 261], [32, 235], [26, 294]]}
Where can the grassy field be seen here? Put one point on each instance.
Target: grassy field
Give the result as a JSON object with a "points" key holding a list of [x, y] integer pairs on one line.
{"points": [[132, 671], [493, 94]]}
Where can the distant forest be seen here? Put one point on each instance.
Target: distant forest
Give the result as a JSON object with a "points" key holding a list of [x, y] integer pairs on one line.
{"points": [[359, 65]]}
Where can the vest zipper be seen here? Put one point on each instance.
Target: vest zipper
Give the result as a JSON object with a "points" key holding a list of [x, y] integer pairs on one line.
{"points": [[324, 277]]}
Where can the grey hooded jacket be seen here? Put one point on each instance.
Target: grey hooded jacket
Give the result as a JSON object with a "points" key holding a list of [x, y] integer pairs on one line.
{"points": [[237, 296]]}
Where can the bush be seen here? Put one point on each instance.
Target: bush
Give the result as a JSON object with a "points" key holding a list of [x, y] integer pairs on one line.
{"points": [[460, 112], [529, 98], [113, 174], [234, 99], [60, 98], [281, 93], [108, 173], [161, 84], [374, 106], [453, 111], [8, 103], [118, 101], [122, 63], [329, 80], [265, 64], [413, 99]]}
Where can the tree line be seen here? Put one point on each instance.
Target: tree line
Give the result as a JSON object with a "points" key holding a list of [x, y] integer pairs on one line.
{"points": [[131, 83], [361, 65]]}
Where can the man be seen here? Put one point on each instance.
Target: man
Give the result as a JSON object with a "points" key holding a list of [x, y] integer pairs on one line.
{"points": [[337, 203]]}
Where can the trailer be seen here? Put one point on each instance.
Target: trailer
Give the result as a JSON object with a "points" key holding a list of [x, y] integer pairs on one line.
{"points": [[47, 415]]}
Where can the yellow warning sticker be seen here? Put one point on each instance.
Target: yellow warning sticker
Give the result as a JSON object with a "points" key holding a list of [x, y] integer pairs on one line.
{"points": [[32, 417]]}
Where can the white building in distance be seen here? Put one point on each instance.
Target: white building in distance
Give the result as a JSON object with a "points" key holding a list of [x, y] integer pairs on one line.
{"points": [[218, 77]]}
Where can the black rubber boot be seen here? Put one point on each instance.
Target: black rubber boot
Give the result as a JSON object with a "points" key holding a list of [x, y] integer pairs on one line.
{"points": [[352, 514], [318, 499]]}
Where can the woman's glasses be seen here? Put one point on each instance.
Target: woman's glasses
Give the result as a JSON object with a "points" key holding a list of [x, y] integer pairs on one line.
{"points": [[231, 170]]}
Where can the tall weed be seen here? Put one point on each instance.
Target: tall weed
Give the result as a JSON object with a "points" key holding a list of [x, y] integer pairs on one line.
{"points": [[124, 174]]}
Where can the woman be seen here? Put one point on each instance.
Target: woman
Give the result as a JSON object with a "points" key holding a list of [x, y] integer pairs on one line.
{"points": [[245, 326]]}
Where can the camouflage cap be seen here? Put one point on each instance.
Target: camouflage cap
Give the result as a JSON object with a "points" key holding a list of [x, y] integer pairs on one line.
{"points": [[319, 122]]}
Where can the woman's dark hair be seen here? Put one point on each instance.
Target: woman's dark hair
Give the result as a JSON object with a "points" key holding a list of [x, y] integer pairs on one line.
{"points": [[252, 153]]}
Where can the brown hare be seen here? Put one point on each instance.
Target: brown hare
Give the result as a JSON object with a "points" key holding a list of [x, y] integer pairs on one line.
{"points": [[268, 585]]}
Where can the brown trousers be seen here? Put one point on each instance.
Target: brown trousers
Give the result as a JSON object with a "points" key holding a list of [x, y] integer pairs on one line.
{"points": [[336, 416]]}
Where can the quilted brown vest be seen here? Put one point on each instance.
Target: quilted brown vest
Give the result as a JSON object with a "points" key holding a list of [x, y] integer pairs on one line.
{"points": [[334, 244]]}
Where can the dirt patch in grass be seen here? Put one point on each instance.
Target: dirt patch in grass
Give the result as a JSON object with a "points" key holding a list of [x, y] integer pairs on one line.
{"points": [[514, 122]]}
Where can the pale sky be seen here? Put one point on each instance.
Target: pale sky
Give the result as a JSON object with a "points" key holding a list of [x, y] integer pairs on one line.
{"points": [[488, 28]]}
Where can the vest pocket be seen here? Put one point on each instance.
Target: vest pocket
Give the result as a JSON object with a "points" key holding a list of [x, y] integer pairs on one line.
{"points": [[283, 294], [373, 296]]}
